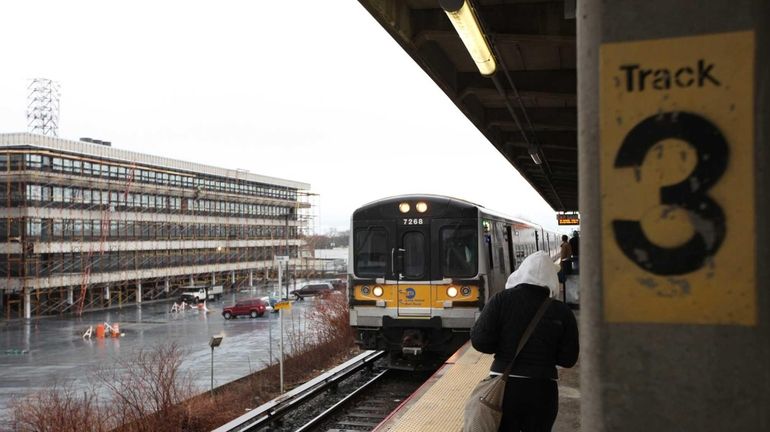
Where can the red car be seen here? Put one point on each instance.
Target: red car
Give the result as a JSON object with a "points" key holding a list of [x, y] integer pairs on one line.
{"points": [[252, 307]]}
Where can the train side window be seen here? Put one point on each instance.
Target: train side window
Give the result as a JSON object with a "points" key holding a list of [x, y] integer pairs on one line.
{"points": [[371, 246], [458, 251]]}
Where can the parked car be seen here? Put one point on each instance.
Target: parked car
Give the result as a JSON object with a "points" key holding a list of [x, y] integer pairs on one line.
{"points": [[251, 307], [338, 284], [195, 295], [314, 289], [270, 302]]}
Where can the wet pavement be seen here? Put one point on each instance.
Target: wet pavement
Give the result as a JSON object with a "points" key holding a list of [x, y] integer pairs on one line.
{"points": [[34, 355]]}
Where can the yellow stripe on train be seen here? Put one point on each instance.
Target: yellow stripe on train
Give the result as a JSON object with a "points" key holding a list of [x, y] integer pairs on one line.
{"points": [[407, 295]]}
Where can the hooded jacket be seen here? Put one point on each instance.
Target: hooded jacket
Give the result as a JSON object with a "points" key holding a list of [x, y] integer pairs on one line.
{"points": [[508, 313]]}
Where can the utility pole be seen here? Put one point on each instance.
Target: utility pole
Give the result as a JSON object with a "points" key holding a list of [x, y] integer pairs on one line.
{"points": [[288, 255]]}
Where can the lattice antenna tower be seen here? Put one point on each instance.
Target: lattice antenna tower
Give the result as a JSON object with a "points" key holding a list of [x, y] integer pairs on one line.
{"points": [[43, 107]]}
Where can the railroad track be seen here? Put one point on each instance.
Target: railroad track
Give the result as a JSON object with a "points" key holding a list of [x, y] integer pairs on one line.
{"points": [[364, 408], [275, 414], [354, 396]]}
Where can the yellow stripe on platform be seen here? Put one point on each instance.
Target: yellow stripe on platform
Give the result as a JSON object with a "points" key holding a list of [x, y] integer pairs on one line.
{"points": [[441, 407]]}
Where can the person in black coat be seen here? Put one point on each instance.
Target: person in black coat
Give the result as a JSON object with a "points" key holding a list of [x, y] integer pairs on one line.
{"points": [[531, 400]]}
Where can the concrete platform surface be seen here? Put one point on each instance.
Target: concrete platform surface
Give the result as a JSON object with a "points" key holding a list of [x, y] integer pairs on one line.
{"points": [[438, 404]]}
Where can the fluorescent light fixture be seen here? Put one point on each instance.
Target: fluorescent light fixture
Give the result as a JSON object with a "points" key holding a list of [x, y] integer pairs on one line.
{"points": [[535, 155], [466, 24]]}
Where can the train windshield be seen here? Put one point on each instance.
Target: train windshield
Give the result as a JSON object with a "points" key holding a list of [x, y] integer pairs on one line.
{"points": [[371, 246], [414, 255], [458, 251]]}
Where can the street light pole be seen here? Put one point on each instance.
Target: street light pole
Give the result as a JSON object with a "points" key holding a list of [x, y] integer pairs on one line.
{"points": [[280, 363], [287, 252]]}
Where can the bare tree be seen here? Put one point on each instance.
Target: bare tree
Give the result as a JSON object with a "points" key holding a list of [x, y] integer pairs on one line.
{"points": [[147, 391], [61, 408]]}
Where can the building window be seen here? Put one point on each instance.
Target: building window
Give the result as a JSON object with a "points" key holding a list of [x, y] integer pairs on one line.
{"points": [[34, 192], [33, 161], [33, 227]]}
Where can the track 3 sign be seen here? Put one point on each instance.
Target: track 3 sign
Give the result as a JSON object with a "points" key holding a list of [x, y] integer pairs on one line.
{"points": [[677, 180]]}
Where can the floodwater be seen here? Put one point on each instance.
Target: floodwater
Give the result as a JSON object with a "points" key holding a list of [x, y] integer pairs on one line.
{"points": [[34, 355]]}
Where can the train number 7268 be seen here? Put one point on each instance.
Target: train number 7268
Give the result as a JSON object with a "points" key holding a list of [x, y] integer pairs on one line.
{"points": [[413, 221]]}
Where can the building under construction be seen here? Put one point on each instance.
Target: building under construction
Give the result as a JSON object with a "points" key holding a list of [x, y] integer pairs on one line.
{"points": [[84, 225]]}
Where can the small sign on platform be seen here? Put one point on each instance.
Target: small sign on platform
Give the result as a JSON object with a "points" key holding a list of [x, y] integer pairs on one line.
{"points": [[285, 305], [677, 180]]}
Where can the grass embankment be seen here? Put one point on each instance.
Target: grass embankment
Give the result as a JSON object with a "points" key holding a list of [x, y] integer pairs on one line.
{"points": [[149, 393]]}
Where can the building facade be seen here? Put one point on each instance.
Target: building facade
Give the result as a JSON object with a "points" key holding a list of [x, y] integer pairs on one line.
{"points": [[84, 225]]}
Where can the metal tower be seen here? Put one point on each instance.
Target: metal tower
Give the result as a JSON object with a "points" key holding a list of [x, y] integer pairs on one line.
{"points": [[43, 107]]}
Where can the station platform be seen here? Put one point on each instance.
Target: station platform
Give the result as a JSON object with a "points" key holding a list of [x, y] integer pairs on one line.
{"points": [[438, 404]]}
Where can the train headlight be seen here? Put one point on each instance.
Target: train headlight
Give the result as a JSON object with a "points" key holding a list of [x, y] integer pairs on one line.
{"points": [[466, 291], [421, 207], [451, 291], [365, 290], [377, 291], [404, 207]]}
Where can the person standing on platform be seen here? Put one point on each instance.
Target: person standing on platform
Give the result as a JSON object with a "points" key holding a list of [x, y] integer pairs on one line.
{"points": [[565, 250], [574, 243], [531, 398], [565, 264]]}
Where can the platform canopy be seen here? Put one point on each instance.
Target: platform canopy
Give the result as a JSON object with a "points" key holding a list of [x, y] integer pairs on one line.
{"points": [[529, 107]]}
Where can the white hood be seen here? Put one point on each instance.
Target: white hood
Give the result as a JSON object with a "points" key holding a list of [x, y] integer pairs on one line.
{"points": [[536, 269]]}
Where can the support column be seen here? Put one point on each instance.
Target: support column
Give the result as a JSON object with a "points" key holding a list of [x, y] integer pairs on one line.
{"points": [[675, 317], [232, 277], [138, 291], [27, 304], [107, 293], [192, 281], [166, 287], [213, 278], [70, 295], [251, 280]]}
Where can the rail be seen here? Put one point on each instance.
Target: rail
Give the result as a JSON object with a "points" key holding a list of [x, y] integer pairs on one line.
{"points": [[326, 414], [276, 408]]}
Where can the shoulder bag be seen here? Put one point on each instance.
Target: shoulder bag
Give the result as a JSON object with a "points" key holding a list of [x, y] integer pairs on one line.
{"points": [[484, 407]]}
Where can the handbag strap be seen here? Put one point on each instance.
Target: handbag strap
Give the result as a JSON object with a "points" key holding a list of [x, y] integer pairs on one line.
{"points": [[527, 333]]}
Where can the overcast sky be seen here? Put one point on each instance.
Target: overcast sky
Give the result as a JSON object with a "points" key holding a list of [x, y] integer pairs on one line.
{"points": [[311, 91]]}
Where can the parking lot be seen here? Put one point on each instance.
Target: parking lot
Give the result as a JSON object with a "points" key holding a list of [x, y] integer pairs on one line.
{"points": [[36, 354]]}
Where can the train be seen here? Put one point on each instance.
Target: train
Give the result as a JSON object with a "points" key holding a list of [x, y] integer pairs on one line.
{"points": [[422, 267]]}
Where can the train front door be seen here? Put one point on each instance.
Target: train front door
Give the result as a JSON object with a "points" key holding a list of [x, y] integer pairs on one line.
{"points": [[412, 254]]}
